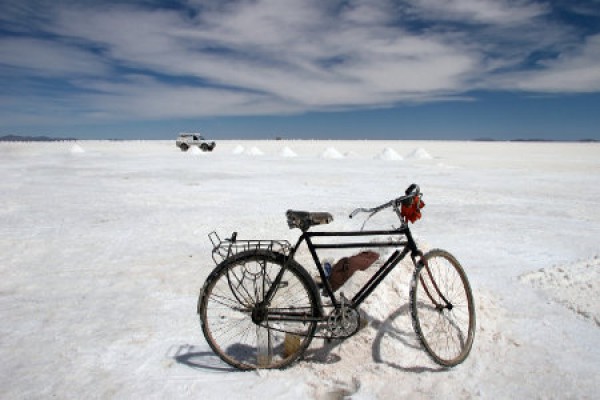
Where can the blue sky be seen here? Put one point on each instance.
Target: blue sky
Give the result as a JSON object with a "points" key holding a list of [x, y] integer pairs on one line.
{"points": [[382, 69]]}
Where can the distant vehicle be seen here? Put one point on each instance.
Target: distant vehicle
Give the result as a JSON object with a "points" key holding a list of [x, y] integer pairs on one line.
{"points": [[187, 140]]}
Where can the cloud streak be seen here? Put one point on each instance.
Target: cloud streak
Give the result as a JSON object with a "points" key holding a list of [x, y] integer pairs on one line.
{"points": [[271, 57], [502, 12]]}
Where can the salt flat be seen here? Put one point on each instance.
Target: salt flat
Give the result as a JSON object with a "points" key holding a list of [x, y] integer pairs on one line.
{"points": [[103, 250]]}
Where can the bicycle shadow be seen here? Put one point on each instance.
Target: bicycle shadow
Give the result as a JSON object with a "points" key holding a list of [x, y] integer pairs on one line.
{"points": [[406, 337], [323, 354], [386, 330], [200, 358]]}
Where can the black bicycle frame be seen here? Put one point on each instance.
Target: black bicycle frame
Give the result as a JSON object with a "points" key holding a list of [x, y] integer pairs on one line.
{"points": [[404, 240]]}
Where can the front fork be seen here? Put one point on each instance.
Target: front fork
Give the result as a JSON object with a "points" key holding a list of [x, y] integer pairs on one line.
{"points": [[431, 287]]}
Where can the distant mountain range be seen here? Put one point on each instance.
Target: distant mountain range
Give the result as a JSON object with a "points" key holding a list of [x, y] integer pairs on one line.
{"points": [[486, 139], [17, 138]]}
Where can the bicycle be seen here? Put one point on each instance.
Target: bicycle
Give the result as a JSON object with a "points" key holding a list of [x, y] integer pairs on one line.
{"points": [[260, 308]]}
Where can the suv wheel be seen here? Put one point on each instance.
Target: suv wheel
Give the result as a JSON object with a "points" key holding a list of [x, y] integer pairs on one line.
{"points": [[184, 147]]}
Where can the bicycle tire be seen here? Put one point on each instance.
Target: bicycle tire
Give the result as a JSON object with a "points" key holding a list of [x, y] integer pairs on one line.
{"points": [[232, 292], [442, 308]]}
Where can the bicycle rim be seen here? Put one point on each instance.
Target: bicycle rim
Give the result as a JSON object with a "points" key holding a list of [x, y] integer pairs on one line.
{"points": [[442, 308]]}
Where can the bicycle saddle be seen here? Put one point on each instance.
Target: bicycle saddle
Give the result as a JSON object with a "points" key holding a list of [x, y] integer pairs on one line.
{"points": [[304, 219]]}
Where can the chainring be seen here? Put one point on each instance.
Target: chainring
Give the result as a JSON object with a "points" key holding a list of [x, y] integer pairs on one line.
{"points": [[343, 322]]}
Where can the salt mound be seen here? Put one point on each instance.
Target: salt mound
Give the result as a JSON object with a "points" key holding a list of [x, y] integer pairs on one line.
{"points": [[331, 153], [387, 347], [419, 154], [575, 286], [254, 151], [287, 152], [238, 149], [389, 154], [77, 149]]}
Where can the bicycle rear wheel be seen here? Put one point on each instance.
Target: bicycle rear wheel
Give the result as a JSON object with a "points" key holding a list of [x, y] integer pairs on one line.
{"points": [[243, 330], [442, 308]]}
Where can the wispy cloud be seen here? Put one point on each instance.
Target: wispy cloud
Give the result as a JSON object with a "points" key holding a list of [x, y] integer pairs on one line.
{"points": [[577, 70], [283, 56], [505, 12], [46, 58]]}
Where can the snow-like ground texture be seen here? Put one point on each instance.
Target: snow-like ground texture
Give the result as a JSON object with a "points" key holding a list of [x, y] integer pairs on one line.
{"points": [[103, 250], [576, 286]]}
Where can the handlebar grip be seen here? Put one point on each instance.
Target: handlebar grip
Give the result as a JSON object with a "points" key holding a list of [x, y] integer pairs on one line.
{"points": [[353, 213], [412, 188]]}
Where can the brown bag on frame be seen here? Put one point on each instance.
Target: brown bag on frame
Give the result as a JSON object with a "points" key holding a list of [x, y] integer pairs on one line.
{"points": [[347, 266]]}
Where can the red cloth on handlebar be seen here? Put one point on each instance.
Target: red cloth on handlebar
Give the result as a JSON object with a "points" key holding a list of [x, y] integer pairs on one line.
{"points": [[412, 212]]}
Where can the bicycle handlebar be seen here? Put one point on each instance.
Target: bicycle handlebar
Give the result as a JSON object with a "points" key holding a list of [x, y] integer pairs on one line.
{"points": [[412, 191]]}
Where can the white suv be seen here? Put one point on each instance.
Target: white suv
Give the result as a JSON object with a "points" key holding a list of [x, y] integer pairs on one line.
{"points": [[186, 140]]}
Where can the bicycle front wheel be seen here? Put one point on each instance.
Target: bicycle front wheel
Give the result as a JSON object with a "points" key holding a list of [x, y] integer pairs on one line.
{"points": [[245, 330], [442, 308]]}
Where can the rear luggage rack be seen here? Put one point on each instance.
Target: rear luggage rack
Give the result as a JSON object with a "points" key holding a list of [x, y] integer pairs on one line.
{"points": [[225, 248]]}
